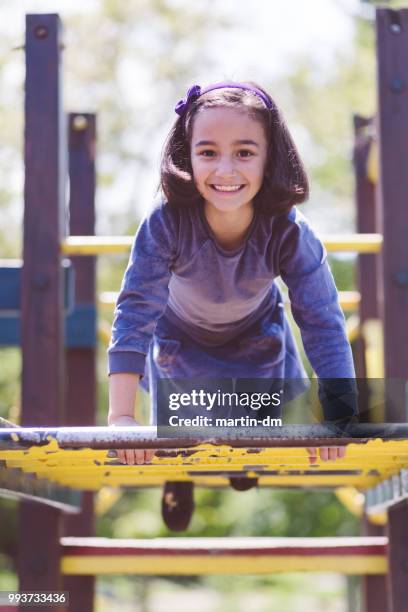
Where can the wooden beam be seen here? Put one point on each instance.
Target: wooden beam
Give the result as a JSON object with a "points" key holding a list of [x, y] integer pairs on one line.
{"points": [[42, 286], [392, 51], [397, 532], [374, 587], [81, 362], [366, 217]]}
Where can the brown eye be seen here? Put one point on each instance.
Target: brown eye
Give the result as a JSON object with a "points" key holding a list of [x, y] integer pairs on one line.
{"points": [[204, 153], [245, 153]]}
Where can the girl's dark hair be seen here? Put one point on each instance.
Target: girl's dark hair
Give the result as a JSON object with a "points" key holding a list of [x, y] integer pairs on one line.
{"points": [[285, 180]]}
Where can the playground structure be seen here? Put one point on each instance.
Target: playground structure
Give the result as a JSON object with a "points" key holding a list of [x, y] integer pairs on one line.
{"points": [[56, 453]]}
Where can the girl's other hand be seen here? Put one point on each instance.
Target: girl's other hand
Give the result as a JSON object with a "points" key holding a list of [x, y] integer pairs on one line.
{"points": [[327, 453], [132, 456]]}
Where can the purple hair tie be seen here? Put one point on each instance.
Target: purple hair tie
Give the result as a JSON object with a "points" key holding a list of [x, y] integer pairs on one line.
{"points": [[195, 92]]}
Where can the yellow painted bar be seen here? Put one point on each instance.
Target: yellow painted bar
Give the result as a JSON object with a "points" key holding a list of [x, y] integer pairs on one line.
{"points": [[349, 300], [289, 481], [372, 331], [104, 332], [353, 500], [98, 245], [372, 162], [365, 465], [197, 565], [105, 498], [107, 300], [353, 328], [356, 243]]}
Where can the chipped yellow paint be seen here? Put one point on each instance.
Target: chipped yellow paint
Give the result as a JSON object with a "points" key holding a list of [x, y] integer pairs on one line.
{"points": [[200, 565], [365, 465]]}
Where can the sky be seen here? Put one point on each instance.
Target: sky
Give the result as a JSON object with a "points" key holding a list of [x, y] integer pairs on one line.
{"points": [[268, 37]]}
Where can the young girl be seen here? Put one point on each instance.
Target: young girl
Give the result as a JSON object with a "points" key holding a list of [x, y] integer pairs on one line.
{"points": [[199, 298]]}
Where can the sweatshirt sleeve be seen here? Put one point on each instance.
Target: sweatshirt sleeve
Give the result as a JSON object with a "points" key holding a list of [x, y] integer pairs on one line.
{"points": [[144, 290], [315, 307]]}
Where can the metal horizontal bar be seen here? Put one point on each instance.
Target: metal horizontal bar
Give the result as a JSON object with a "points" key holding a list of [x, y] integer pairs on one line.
{"points": [[146, 437], [355, 243], [10, 286], [16, 484], [224, 546], [6, 423], [98, 245], [198, 556], [387, 493], [80, 328], [349, 300]]}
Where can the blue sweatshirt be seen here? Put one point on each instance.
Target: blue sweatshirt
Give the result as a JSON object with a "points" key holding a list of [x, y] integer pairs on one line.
{"points": [[177, 268]]}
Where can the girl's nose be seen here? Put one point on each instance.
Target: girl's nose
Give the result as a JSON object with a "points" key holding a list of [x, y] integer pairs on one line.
{"points": [[226, 167]]}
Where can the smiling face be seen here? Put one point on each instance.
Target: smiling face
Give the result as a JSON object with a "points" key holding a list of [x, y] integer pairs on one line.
{"points": [[228, 154]]}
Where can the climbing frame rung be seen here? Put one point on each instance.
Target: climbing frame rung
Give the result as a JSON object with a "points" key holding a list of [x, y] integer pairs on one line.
{"points": [[199, 556]]}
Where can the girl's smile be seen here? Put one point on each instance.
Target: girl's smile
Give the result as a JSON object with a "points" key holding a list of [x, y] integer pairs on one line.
{"points": [[227, 188]]}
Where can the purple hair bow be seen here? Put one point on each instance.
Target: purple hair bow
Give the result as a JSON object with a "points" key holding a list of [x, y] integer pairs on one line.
{"points": [[195, 92], [192, 94]]}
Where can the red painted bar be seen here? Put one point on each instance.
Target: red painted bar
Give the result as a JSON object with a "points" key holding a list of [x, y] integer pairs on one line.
{"points": [[226, 546], [81, 362], [42, 289]]}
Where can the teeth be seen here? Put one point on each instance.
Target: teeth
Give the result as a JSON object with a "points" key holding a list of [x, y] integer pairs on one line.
{"points": [[227, 187]]}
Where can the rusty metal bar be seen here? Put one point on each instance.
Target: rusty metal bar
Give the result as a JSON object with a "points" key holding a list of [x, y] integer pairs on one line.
{"points": [[146, 437]]}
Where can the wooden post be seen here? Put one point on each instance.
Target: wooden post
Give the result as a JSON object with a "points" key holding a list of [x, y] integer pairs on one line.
{"points": [[366, 218], [42, 287], [374, 587], [397, 531], [366, 264], [392, 51], [81, 362]]}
